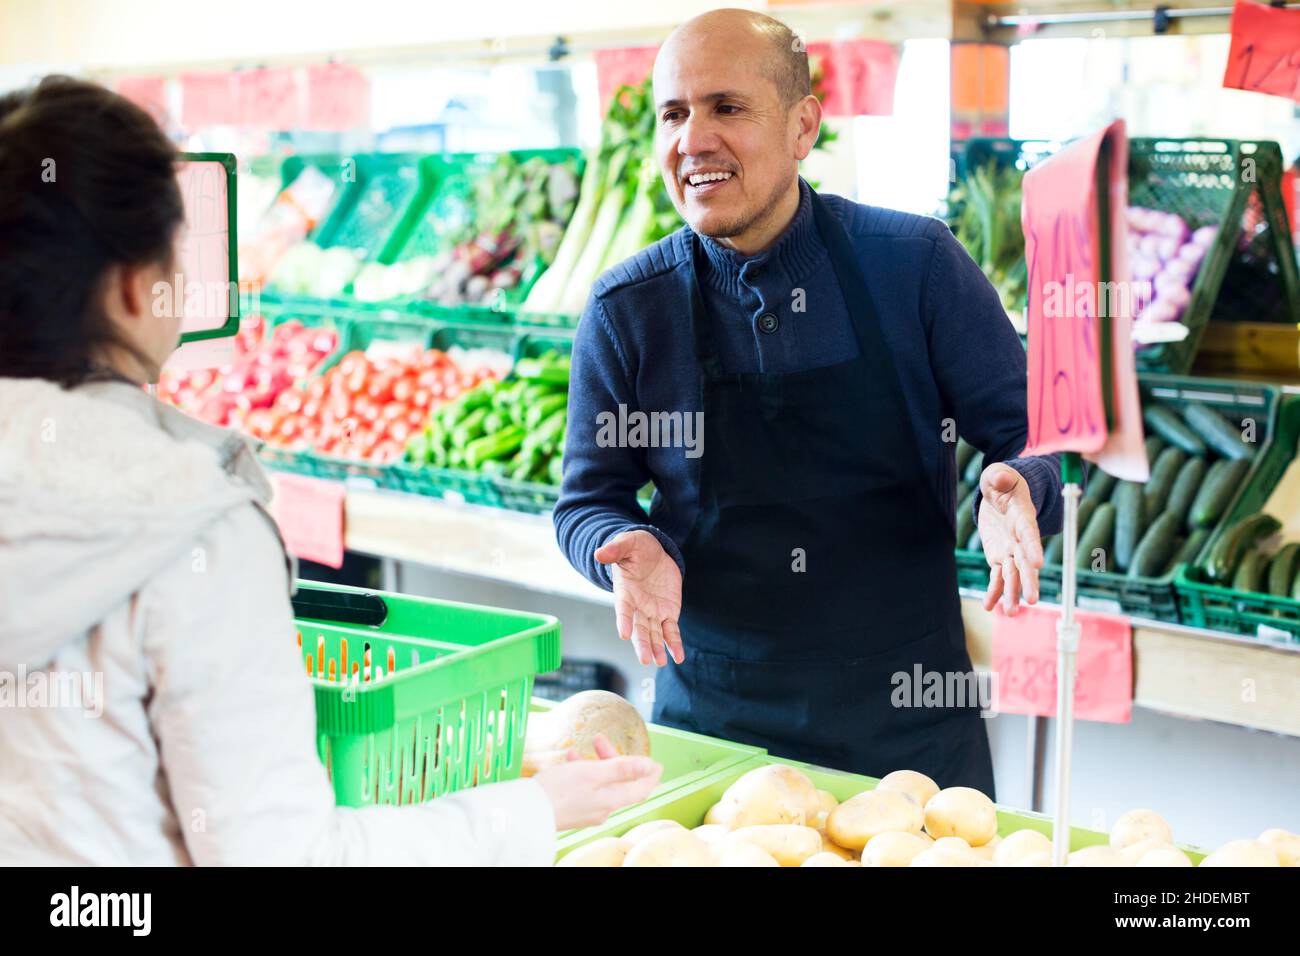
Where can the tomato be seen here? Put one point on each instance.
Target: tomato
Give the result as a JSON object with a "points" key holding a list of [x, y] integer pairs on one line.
{"points": [[318, 388], [380, 389], [394, 410], [386, 451], [399, 431], [437, 391], [352, 363], [311, 409], [366, 411], [452, 392], [402, 389], [340, 407], [422, 398], [356, 383], [416, 417], [290, 400]]}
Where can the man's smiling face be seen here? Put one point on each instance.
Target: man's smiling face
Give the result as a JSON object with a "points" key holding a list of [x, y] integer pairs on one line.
{"points": [[727, 141]]}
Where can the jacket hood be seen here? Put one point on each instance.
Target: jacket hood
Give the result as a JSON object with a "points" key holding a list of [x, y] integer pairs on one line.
{"points": [[101, 487]]}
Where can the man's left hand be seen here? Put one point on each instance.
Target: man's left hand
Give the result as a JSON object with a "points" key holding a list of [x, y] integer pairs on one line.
{"points": [[1008, 523]]}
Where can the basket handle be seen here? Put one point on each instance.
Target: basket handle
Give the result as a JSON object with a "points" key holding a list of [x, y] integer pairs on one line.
{"points": [[343, 607]]}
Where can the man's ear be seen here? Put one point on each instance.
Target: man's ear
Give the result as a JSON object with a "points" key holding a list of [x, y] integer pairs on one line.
{"points": [[808, 116]]}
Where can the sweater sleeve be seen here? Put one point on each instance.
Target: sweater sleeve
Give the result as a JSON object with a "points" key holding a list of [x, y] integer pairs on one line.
{"points": [[598, 496], [234, 717], [980, 366]]}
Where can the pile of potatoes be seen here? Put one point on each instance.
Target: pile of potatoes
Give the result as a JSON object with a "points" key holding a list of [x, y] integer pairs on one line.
{"points": [[775, 816]]}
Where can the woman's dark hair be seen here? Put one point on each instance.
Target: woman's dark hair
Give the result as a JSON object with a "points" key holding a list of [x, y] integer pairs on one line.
{"points": [[87, 181]]}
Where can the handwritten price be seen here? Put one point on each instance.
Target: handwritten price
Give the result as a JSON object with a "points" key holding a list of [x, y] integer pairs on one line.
{"points": [[1264, 57]]}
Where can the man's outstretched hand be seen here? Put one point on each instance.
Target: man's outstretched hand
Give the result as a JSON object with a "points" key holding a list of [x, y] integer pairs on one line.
{"points": [[647, 595], [1008, 523]]}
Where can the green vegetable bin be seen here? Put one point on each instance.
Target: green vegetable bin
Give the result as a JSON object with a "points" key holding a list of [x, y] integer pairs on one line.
{"points": [[453, 712], [688, 805], [376, 195], [1152, 598], [687, 758], [1239, 612]]}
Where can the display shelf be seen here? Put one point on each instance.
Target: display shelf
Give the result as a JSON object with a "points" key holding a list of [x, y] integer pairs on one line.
{"points": [[1183, 671]]}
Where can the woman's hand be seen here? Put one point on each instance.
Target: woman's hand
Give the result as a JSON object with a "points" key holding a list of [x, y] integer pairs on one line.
{"points": [[585, 792]]}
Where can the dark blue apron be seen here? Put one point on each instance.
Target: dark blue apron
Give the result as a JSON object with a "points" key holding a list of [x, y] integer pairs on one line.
{"points": [[820, 566]]}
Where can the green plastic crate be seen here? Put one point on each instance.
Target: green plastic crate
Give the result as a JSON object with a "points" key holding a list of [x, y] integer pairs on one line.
{"points": [[454, 713], [1152, 598], [687, 758], [689, 803], [1239, 612], [335, 167], [380, 189]]}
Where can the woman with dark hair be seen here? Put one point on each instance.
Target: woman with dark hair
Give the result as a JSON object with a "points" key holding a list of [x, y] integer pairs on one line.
{"points": [[139, 567]]}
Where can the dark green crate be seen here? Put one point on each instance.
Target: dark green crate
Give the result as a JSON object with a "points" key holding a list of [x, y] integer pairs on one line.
{"points": [[1152, 598], [1238, 612], [375, 202], [339, 170]]}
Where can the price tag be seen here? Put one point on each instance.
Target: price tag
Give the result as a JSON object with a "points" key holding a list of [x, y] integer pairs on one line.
{"points": [[629, 66], [204, 248], [1024, 665], [858, 76], [1265, 53], [208, 99], [338, 98], [268, 99], [310, 515]]}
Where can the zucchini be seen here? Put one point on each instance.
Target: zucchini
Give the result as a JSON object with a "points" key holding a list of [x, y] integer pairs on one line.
{"points": [[1221, 482], [963, 490], [1228, 551], [966, 520], [1098, 535], [1100, 485], [1295, 588], [1188, 549], [1154, 446], [1161, 482], [1251, 573], [973, 469], [1130, 522], [965, 451], [1219, 433], [1171, 428], [1055, 549], [1183, 492], [1283, 568], [1156, 547]]}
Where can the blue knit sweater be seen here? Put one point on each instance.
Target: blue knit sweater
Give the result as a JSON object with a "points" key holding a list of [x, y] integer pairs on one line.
{"points": [[958, 358]]}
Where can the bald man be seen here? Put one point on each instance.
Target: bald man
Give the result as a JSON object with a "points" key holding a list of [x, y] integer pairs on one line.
{"points": [[792, 370]]}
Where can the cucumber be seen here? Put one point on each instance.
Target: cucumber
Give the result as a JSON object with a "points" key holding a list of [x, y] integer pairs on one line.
{"points": [[1188, 549], [1283, 568], [1170, 427], [1156, 547], [966, 520], [1161, 482], [1130, 522], [1100, 485], [973, 468], [1099, 534], [1154, 446], [1295, 588], [1251, 573], [1228, 551], [1221, 482], [974, 543], [963, 490], [1219, 433], [1183, 492], [1055, 549], [965, 451]]}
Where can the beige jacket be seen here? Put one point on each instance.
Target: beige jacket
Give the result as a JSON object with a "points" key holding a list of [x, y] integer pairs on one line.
{"points": [[153, 706]]}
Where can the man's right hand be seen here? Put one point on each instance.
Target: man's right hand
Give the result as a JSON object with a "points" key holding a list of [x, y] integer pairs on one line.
{"points": [[647, 595]]}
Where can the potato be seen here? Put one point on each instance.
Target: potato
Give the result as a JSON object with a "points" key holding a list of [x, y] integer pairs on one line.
{"points": [[789, 843], [962, 812], [609, 851], [917, 785], [1019, 846], [741, 853], [643, 830], [893, 849], [1134, 851], [1163, 854], [1098, 856], [574, 724], [714, 815], [828, 859], [830, 846], [952, 845], [768, 795], [1242, 853], [938, 856], [1138, 825], [819, 822], [670, 847], [1285, 844], [986, 851], [855, 821], [1034, 859], [711, 833], [826, 801]]}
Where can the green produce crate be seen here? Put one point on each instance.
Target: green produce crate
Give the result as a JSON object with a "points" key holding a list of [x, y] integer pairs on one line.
{"points": [[455, 712], [1239, 612], [687, 758], [688, 805], [380, 189], [336, 169], [1152, 598]]}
